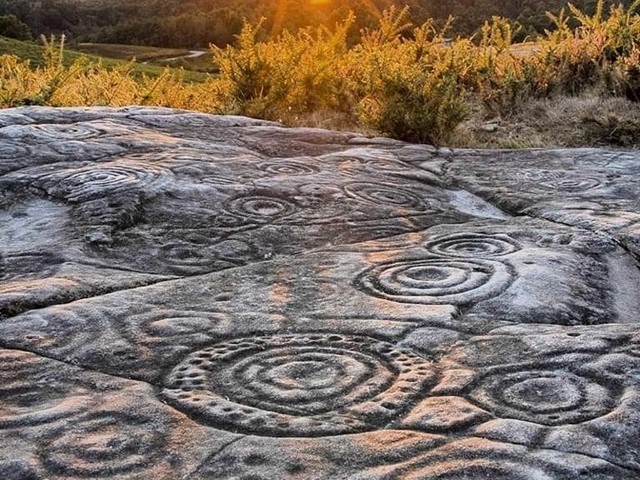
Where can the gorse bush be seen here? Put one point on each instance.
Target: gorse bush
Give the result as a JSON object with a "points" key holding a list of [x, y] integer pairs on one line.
{"points": [[412, 83], [89, 83], [419, 109], [599, 52], [287, 76], [407, 81]]}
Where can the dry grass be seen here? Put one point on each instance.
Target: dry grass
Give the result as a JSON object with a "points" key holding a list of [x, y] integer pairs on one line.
{"points": [[588, 120]]}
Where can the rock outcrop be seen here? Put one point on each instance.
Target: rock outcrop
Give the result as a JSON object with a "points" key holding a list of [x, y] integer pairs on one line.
{"points": [[200, 297]]}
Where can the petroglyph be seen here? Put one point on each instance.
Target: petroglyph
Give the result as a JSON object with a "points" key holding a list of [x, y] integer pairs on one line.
{"points": [[194, 296]]}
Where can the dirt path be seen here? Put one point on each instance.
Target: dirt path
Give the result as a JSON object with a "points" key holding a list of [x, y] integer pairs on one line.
{"points": [[192, 54]]}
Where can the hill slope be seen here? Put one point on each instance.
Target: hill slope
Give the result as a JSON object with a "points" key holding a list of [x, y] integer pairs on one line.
{"points": [[36, 55]]}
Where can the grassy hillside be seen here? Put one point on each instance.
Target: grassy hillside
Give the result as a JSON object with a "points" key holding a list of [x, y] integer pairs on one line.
{"points": [[193, 60], [130, 52], [35, 54]]}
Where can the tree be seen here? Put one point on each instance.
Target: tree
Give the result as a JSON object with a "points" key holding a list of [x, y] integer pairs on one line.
{"points": [[12, 27]]}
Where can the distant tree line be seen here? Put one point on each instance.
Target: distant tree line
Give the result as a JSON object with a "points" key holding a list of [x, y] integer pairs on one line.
{"points": [[12, 27], [198, 23]]}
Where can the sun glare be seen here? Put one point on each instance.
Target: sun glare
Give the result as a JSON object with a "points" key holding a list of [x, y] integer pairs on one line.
{"points": [[284, 7]]}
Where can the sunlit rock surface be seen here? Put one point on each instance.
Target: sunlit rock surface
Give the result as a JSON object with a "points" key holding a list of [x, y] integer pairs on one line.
{"points": [[185, 296]]}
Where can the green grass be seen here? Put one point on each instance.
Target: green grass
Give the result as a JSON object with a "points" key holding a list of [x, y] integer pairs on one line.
{"points": [[34, 53], [161, 57], [129, 52]]}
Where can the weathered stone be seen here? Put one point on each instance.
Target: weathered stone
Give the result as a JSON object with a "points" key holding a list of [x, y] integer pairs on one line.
{"points": [[190, 296]]}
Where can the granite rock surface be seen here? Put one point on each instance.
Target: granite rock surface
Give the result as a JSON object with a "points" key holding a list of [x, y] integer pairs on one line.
{"points": [[184, 296]]}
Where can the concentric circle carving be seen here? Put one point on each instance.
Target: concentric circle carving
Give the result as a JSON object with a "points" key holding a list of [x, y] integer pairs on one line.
{"points": [[298, 385], [473, 245], [436, 281], [9, 151], [261, 208], [547, 397], [558, 180], [164, 328], [25, 399], [386, 195], [572, 185], [288, 167], [191, 258], [95, 181], [72, 131], [104, 443]]}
